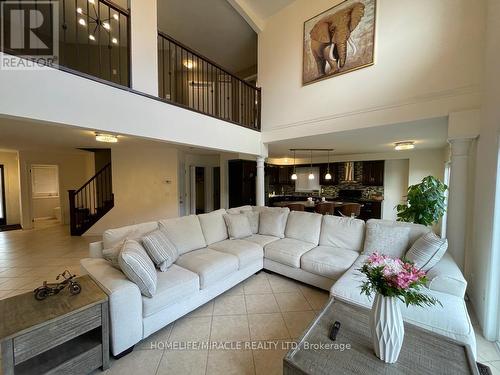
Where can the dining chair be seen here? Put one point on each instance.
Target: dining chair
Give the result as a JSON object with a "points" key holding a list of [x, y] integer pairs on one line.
{"points": [[295, 207], [325, 208], [350, 209]]}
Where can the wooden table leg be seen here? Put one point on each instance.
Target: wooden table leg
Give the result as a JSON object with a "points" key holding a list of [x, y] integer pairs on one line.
{"points": [[7, 357], [105, 335]]}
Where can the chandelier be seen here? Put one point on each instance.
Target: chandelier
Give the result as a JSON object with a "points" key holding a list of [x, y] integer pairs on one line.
{"points": [[96, 22]]}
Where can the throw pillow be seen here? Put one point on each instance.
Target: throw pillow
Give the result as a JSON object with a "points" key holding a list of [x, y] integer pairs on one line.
{"points": [[159, 248], [238, 226], [253, 218], [138, 267], [427, 251], [111, 254], [272, 222], [388, 240]]}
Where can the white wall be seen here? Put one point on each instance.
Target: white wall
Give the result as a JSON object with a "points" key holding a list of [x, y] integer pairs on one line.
{"points": [[428, 64], [395, 186], [75, 168], [483, 258], [9, 159], [140, 188]]}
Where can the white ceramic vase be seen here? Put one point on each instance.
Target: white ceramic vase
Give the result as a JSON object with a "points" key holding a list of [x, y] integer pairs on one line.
{"points": [[386, 323]]}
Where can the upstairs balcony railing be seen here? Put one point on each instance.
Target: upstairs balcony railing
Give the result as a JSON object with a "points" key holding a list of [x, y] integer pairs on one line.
{"points": [[189, 79]]}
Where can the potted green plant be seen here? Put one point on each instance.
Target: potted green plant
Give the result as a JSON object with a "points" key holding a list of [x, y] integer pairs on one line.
{"points": [[425, 202]]}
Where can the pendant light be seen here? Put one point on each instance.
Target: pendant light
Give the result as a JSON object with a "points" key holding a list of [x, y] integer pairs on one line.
{"points": [[311, 174], [294, 175], [328, 176]]}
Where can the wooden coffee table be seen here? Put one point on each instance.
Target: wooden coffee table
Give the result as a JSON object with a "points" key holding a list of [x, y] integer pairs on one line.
{"points": [[423, 352], [61, 334]]}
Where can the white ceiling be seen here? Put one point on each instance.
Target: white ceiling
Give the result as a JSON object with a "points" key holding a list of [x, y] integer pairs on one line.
{"points": [[213, 28], [266, 8], [427, 134]]}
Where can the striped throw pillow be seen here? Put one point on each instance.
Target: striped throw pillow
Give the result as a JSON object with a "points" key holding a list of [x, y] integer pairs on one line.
{"points": [[159, 248], [138, 267], [427, 251]]}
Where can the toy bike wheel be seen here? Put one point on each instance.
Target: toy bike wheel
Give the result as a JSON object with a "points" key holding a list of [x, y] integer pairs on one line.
{"points": [[75, 289], [41, 294]]}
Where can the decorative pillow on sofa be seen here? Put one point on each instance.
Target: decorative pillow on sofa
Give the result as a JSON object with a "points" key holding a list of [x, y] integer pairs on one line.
{"points": [[253, 218], [159, 248], [213, 226], [238, 226], [385, 239], [138, 267], [272, 222], [239, 210], [427, 251]]}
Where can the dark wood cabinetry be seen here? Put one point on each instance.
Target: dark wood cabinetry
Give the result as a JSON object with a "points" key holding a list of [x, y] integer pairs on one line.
{"points": [[242, 174], [371, 210], [373, 173]]}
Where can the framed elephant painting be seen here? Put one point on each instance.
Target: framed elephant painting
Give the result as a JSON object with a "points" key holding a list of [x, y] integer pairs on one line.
{"points": [[339, 40]]}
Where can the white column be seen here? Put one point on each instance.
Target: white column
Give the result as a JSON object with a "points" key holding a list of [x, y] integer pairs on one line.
{"points": [[458, 198], [259, 190], [144, 46]]}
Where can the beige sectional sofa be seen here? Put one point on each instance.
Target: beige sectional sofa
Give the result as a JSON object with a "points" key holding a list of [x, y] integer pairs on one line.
{"points": [[323, 251]]}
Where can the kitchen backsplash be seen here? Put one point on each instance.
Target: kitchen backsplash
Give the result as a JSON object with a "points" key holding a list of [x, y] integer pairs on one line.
{"points": [[328, 190]]}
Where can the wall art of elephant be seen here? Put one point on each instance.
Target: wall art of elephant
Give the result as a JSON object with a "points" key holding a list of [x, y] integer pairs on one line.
{"points": [[339, 40]]}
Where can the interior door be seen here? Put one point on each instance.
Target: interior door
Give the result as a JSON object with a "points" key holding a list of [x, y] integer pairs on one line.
{"points": [[3, 213]]}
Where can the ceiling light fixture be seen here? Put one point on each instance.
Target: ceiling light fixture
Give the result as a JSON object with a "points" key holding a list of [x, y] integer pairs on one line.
{"points": [[328, 176], [294, 175], [189, 64], [311, 174], [400, 146], [108, 138], [93, 18]]}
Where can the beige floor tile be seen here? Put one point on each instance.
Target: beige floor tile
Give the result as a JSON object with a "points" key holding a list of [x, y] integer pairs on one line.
{"points": [[261, 303], [183, 362], [487, 351], [229, 305], [237, 289], [257, 284], [317, 298], [157, 341], [267, 327], [230, 362], [144, 362], [298, 321], [269, 361], [206, 310], [494, 367], [191, 329], [230, 328], [280, 284], [294, 301]]}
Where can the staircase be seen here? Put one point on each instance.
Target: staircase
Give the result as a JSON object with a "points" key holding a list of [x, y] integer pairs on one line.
{"points": [[91, 202]]}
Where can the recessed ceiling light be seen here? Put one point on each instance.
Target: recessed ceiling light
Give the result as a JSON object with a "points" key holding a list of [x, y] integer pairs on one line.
{"points": [[108, 138], [400, 146]]}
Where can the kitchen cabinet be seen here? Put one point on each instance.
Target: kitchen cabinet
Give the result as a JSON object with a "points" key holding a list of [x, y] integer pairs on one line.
{"points": [[285, 175], [242, 175], [370, 210], [373, 173]]}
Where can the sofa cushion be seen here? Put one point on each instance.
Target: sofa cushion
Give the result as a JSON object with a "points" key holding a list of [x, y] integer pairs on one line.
{"points": [[304, 226], [159, 248], [253, 218], [246, 251], [213, 226], [342, 232], [272, 222], [238, 226], [112, 237], [210, 265], [174, 285], [328, 261], [138, 267], [239, 210], [287, 251], [387, 240], [450, 320], [427, 251], [184, 232], [416, 230], [261, 240]]}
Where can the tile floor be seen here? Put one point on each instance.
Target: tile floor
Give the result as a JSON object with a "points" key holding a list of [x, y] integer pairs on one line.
{"points": [[266, 307]]}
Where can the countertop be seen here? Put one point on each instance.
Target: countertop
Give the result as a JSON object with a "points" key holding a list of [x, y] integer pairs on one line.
{"points": [[334, 199]]}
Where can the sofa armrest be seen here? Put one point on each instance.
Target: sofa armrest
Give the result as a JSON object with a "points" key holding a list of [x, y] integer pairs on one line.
{"points": [[125, 303], [95, 249], [446, 277]]}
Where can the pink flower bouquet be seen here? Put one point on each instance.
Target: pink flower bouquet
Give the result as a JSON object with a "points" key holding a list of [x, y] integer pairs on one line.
{"points": [[394, 277]]}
